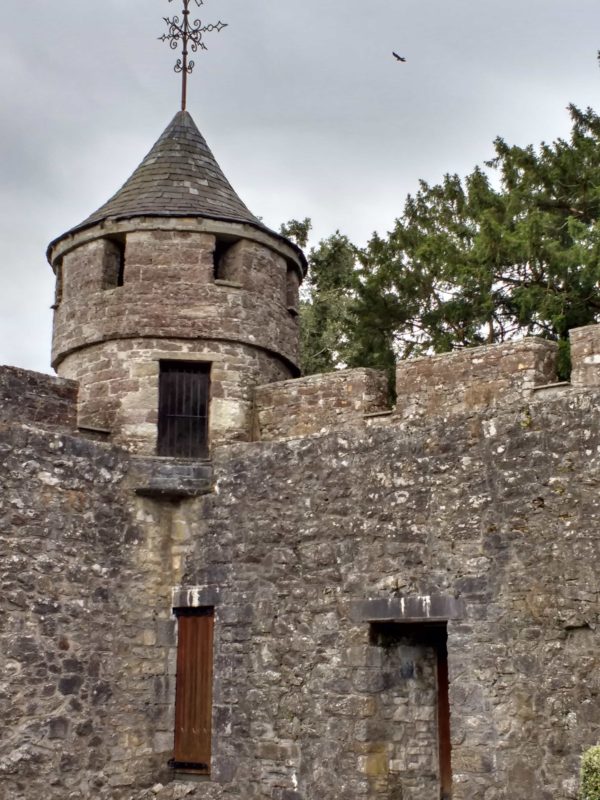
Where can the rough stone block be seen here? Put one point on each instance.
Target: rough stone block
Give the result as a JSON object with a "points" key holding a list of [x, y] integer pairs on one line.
{"points": [[473, 379], [585, 356], [319, 403]]}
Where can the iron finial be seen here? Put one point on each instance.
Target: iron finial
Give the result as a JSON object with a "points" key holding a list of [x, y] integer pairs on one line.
{"points": [[188, 34]]}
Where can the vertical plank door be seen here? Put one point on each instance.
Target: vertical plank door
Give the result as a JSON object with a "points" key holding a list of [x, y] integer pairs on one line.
{"points": [[193, 700]]}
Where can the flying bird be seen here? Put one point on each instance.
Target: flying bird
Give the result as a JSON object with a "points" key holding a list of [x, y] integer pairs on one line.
{"points": [[397, 57]]}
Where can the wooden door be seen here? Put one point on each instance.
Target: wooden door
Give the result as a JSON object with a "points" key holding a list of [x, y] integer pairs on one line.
{"points": [[193, 700]]}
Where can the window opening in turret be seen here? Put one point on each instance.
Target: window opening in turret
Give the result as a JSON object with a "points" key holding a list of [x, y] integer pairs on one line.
{"points": [[113, 267], [183, 401], [58, 288], [225, 268], [292, 291], [193, 693], [221, 248]]}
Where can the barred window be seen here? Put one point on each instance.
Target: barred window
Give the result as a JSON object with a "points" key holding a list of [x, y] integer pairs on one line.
{"points": [[183, 409]]}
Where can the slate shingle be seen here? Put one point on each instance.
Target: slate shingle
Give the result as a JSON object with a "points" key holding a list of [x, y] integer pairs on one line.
{"points": [[178, 177]]}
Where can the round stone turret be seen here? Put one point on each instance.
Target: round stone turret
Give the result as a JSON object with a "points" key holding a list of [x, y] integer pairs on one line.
{"points": [[173, 302]]}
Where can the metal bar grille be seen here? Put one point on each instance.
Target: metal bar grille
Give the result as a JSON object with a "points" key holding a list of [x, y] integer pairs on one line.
{"points": [[193, 700], [183, 409]]}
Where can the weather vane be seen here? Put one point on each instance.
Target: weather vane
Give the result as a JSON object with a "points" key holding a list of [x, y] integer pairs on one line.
{"points": [[188, 34]]}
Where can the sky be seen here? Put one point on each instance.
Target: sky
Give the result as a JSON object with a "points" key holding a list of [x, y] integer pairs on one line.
{"points": [[302, 103]]}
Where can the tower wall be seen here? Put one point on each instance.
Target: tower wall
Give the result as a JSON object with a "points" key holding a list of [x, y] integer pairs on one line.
{"points": [[119, 379], [134, 293]]}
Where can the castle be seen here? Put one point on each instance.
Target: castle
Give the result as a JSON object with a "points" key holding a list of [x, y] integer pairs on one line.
{"points": [[222, 580]]}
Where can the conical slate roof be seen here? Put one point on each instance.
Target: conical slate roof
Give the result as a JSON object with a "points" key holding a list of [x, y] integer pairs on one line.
{"points": [[179, 177]]}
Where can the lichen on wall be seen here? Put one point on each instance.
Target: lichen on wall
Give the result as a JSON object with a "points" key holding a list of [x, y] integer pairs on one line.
{"points": [[487, 518], [479, 507]]}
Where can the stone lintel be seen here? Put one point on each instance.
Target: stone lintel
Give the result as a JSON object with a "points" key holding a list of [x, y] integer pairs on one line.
{"points": [[414, 608], [195, 596], [228, 284]]}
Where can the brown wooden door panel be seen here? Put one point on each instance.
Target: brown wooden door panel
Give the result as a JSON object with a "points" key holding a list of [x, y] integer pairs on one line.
{"points": [[445, 748], [193, 701]]}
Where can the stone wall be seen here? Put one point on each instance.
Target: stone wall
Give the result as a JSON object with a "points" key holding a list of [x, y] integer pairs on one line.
{"points": [[485, 519], [585, 355], [119, 386], [35, 398], [87, 670], [319, 403], [502, 514]]}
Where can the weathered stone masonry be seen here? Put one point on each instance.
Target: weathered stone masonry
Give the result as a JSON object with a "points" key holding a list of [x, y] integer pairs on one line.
{"points": [[353, 553], [487, 506], [497, 508]]}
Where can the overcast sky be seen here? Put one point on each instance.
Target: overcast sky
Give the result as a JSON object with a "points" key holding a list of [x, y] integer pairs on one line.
{"points": [[302, 104]]}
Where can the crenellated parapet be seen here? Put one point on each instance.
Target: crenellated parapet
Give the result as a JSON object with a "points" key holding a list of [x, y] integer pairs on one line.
{"points": [[473, 379], [319, 403], [469, 381]]}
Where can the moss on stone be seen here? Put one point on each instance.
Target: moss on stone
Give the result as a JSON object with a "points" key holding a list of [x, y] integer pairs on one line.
{"points": [[590, 774]]}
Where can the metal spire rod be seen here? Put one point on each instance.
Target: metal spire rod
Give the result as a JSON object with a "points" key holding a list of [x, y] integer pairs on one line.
{"points": [[189, 35]]}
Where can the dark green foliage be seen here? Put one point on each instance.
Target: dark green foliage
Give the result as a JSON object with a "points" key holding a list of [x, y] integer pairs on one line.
{"points": [[324, 315], [590, 774], [297, 230], [329, 338], [469, 263]]}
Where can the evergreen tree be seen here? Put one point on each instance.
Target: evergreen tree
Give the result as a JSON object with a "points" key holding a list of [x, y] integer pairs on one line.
{"points": [[500, 254], [325, 330], [469, 263], [297, 230]]}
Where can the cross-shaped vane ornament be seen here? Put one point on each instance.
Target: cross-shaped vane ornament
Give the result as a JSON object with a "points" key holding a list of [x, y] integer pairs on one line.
{"points": [[189, 34]]}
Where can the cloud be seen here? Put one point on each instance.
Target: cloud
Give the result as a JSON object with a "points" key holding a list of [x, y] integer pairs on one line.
{"points": [[302, 104]]}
